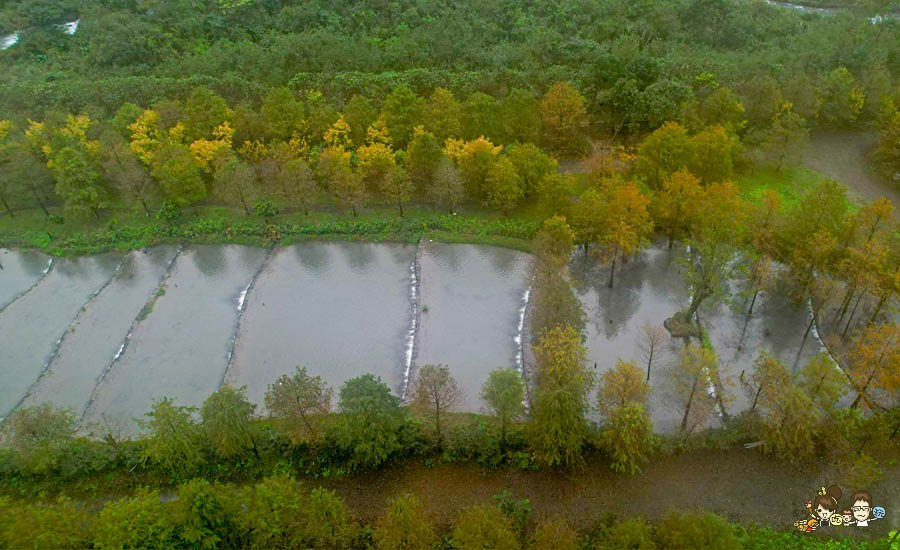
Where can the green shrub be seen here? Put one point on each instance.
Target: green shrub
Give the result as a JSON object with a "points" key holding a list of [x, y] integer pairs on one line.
{"points": [[369, 430], [555, 534], [474, 439], [274, 512], [324, 522], [628, 438], [482, 528], [206, 515], [138, 522], [58, 525], [701, 531], [518, 510], [633, 533], [39, 437], [404, 526]]}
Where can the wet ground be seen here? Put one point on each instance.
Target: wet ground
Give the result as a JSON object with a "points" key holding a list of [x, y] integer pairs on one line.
{"points": [[846, 157]]}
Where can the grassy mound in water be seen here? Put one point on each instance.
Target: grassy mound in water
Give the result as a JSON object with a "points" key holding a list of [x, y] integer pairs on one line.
{"points": [[679, 326]]}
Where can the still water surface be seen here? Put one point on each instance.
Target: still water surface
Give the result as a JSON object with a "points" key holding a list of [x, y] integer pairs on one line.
{"points": [[107, 335]]}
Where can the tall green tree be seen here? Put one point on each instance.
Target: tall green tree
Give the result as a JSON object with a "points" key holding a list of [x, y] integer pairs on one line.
{"points": [[533, 165], [403, 110], [666, 151], [235, 178], [628, 438], [404, 526], [301, 402], [78, 180], [559, 428], [173, 437], [371, 421], [228, 422], [503, 185], [178, 174], [446, 191], [443, 115], [504, 393], [204, 111]]}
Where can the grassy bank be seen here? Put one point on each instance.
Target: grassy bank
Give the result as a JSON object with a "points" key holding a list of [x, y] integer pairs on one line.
{"points": [[124, 230]]}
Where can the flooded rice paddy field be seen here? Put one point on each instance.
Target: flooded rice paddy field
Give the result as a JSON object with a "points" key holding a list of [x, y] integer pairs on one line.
{"points": [[107, 335]]}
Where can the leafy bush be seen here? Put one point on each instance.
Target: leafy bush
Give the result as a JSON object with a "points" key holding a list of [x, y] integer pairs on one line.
{"points": [[555, 534], [404, 526], [481, 527], [324, 522], [39, 437], [517, 510], [474, 439], [703, 531], [141, 521], [273, 514], [628, 438], [62, 524], [633, 533], [206, 515]]}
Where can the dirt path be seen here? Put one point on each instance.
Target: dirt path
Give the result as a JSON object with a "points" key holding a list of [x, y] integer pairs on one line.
{"points": [[743, 485], [844, 157]]}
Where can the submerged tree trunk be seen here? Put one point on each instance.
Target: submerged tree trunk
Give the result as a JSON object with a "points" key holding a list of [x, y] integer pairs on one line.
{"points": [[687, 408], [845, 303], [852, 313], [803, 341], [881, 302], [612, 271], [752, 303]]}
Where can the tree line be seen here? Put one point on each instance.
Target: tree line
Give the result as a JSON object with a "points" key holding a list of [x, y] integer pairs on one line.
{"points": [[280, 512]]}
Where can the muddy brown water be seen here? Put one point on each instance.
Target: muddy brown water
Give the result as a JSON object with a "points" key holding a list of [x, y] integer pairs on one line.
{"points": [[743, 485]]}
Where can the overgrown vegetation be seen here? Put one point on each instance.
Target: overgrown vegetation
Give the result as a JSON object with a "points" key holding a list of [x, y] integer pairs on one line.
{"points": [[280, 512]]}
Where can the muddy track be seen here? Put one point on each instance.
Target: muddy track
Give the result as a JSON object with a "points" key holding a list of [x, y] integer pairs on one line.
{"points": [[845, 157]]}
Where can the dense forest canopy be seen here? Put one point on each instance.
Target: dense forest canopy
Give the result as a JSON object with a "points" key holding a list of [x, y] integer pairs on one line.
{"points": [[633, 60]]}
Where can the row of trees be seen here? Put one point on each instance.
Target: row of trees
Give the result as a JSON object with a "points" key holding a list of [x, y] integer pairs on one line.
{"points": [[280, 512], [295, 151], [299, 150]]}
